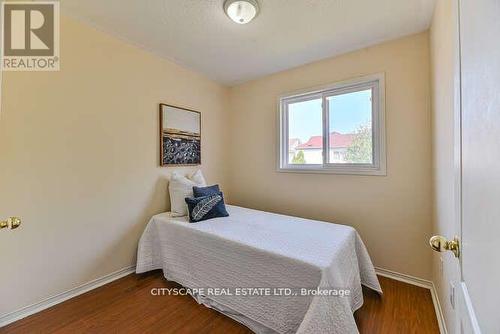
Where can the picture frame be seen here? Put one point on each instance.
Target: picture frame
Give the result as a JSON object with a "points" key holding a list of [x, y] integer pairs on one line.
{"points": [[180, 136]]}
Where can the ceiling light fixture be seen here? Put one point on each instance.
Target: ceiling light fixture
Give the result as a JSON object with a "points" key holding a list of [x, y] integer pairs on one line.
{"points": [[241, 11]]}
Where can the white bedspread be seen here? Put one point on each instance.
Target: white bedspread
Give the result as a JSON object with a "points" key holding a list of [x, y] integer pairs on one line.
{"points": [[256, 249]]}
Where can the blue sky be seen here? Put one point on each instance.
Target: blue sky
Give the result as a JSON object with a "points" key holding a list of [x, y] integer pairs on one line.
{"points": [[347, 113]]}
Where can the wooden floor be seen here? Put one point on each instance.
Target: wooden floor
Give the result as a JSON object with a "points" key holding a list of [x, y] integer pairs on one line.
{"points": [[127, 306]]}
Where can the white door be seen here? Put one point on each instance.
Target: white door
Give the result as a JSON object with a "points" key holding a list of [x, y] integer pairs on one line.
{"points": [[477, 151], [478, 292]]}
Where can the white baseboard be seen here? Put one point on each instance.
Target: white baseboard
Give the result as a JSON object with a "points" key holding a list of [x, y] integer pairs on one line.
{"points": [[8, 318], [421, 283]]}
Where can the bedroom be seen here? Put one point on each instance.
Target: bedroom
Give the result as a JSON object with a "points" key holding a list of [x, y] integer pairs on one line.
{"points": [[330, 127]]}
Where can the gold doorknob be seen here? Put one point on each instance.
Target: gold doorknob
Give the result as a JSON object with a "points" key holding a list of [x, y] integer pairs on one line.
{"points": [[440, 244], [15, 222], [12, 222]]}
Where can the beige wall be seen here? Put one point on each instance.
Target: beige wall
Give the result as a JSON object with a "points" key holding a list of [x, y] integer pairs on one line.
{"points": [[79, 160], [443, 44], [392, 213]]}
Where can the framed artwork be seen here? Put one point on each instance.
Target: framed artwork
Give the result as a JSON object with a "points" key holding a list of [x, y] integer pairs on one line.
{"points": [[180, 136]]}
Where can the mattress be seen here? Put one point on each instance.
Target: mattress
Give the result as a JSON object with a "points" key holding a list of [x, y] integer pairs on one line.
{"points": [[279, 274]]}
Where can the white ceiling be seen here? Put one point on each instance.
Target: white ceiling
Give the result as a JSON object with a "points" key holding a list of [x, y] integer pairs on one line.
{"points": [[285, 34]]}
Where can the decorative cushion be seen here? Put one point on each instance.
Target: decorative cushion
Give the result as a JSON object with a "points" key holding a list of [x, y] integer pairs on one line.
{"points": [[197, 177], [181, 187], [206, 207], [206, 191]]}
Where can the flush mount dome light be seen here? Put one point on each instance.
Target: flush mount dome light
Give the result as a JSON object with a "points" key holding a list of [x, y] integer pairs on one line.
{"points": [[241, 11]]}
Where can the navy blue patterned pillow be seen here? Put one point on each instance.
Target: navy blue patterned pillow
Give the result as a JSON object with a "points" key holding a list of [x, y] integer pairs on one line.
{"points": [[206, 191], [206, 207]]}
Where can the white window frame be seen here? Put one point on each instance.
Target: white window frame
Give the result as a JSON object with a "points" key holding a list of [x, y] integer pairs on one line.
{"points": [[374, 82]]}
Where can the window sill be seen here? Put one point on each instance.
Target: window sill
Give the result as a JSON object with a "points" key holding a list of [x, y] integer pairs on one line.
{"points": [[366, 171]]}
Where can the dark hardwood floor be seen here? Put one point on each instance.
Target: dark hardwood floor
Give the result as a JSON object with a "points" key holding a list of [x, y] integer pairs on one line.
{"points": [[126, 306]]}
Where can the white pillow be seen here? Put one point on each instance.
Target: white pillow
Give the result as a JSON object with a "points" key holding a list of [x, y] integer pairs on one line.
{"points": [[181, 187]]}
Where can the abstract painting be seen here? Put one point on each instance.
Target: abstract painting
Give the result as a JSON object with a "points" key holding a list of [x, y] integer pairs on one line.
{"points": [[180, 136]]}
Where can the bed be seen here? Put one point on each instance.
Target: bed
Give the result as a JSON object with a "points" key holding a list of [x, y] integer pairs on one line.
{"points": [[313, 270]]}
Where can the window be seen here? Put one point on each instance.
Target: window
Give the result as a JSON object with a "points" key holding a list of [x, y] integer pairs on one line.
{"points": [[335, 129]]}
